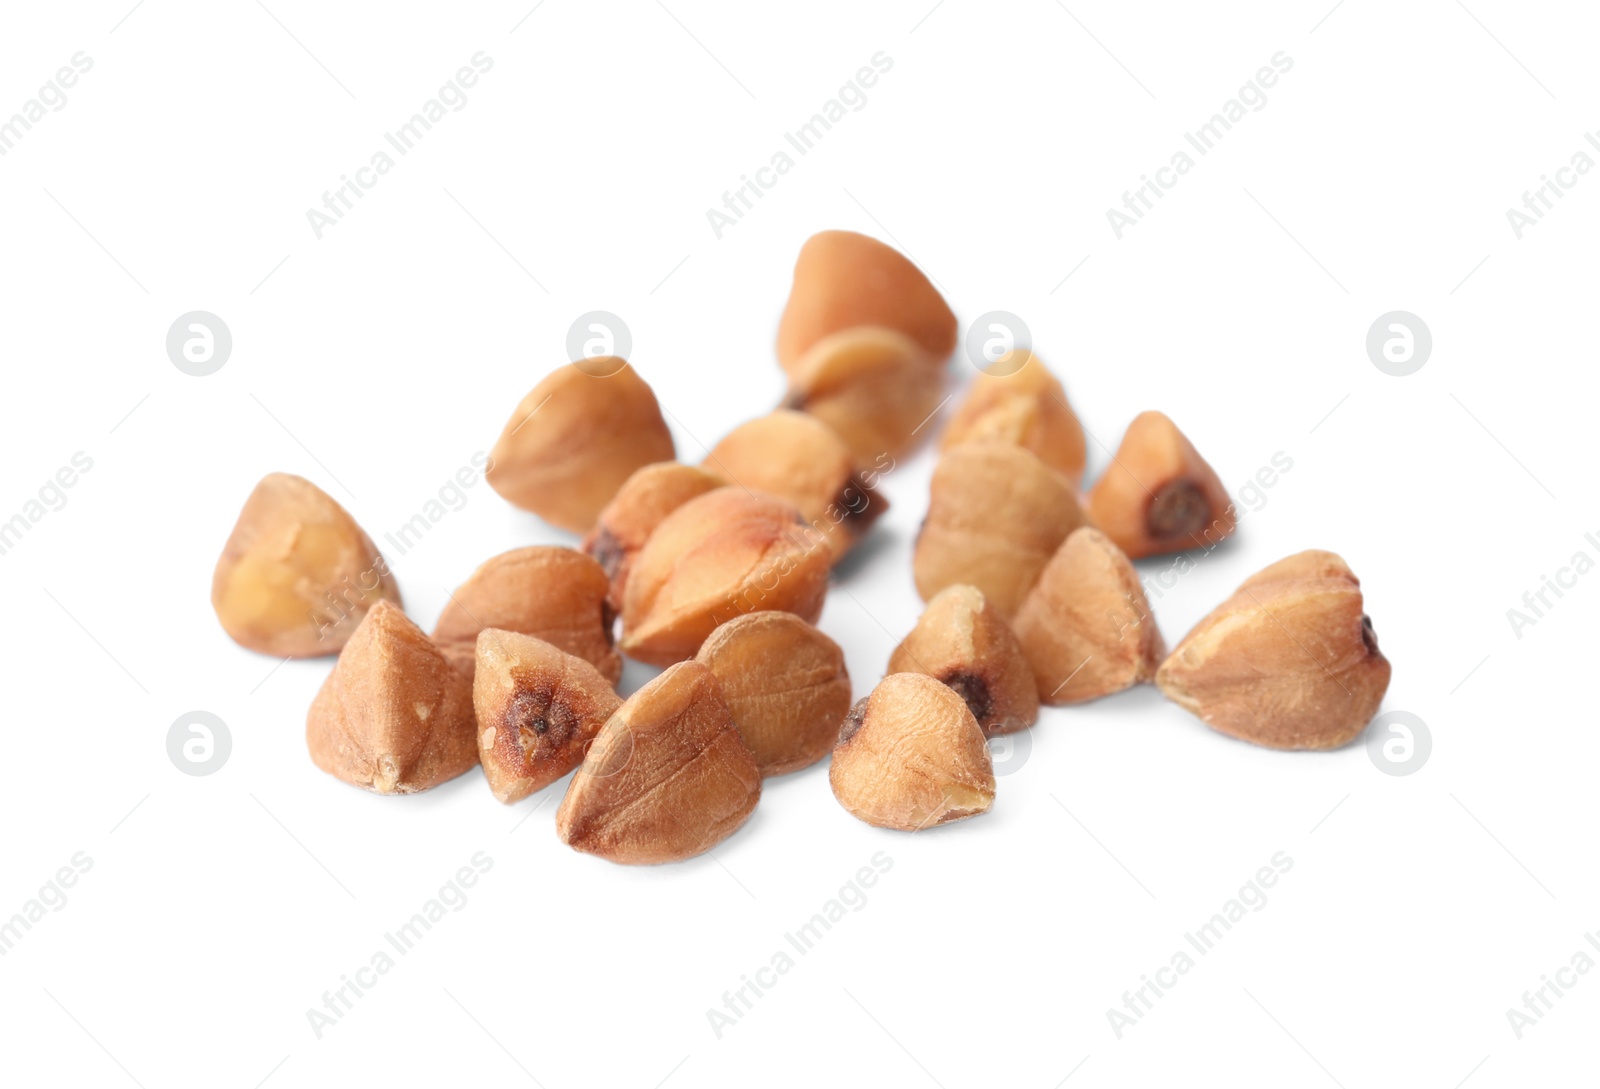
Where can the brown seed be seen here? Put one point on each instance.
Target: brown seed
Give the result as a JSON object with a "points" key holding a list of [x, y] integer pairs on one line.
{"points": [[1290, 661], [667, 778], [297, 574], [648, 496], [874, 387], [573, 441], [798, 458], [1159, 495], [394, 716], [1313, 563], [785, 683], [555, 594], [719, 556], [1019, 401], [963, 641], [996, 514], [843, 279], [911, 755], [1086, 627], [538, 709]]}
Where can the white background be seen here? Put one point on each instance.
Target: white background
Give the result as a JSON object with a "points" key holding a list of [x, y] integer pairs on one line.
{"points": [[377, 360]]}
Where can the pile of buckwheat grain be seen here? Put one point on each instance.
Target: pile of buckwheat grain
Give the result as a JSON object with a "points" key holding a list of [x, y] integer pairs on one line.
{"points": [[718, 571]]}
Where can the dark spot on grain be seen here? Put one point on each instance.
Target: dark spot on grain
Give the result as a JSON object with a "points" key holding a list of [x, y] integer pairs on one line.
{"points": [[859, 505], [853, 721], [1369, 637], [607, 552], [1178, 510], [974, 690]]}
